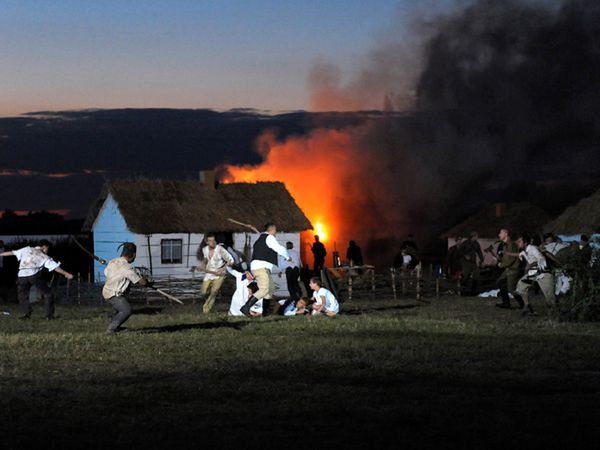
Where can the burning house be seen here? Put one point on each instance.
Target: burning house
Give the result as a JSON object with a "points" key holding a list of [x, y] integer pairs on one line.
{"points": [[168, 220]]}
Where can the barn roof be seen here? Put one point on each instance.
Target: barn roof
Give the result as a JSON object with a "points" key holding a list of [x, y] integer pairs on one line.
{"points": [[581, 218], [516, 217], [161, 206]]}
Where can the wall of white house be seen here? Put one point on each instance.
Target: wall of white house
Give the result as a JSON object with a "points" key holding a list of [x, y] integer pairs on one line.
{"points": [[153, 252]]}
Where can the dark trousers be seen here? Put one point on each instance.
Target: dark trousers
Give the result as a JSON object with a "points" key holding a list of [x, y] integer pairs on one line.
{"points": [[291, 275], [24, 287], [123, 312], [507, 283], [319, 263]]}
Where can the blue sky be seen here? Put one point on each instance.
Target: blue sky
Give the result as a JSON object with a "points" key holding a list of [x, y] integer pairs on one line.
{"points": [[68, 54]]}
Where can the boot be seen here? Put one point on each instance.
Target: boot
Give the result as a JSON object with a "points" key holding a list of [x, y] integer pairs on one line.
{"points": [[245, 310], [519, 300]]}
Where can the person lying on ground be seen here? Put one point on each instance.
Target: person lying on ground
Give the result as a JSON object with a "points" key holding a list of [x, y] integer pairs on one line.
{"points": [[297, 309]]}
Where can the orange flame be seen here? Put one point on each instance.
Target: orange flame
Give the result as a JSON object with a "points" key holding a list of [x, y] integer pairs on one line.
{"points": [[339, 186], [310, 169]]}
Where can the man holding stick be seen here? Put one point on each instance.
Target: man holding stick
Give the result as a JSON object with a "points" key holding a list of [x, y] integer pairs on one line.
{"points": [[264, 258], [120, 273]]}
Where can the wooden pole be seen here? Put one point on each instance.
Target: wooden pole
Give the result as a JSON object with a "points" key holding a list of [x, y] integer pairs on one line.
{"points": [[373, 283], [393, 273], [437, 288], [349, 285], [418, 286], [403, 276], [78, 288]]}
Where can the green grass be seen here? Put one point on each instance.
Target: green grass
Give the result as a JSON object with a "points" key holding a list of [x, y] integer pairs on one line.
{"points": [[387, 374]]}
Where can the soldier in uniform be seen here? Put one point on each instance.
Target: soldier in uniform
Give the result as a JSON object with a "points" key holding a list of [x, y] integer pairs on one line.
{"points": [[509, 261]]}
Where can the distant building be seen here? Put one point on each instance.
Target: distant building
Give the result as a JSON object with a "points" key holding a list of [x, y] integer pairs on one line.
{"points": [[167, 220], [578, 219]]}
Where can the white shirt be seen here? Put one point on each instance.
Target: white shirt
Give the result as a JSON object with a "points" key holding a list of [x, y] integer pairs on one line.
{"points": [[32, 260], [554, 247], [295, 262], [273, 245], [120, 273], [331, 303], [533, 256], [219, 259]]}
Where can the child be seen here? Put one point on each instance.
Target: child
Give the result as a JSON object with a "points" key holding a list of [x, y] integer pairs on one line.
{"points": [[298, 309], [325, 301]]}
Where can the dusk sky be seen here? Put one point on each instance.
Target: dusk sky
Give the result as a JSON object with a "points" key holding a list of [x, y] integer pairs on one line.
{"points": [[73, 54]]}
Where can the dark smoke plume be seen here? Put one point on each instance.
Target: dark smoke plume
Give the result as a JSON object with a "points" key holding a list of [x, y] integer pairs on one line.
{"points": [[508, 95]]}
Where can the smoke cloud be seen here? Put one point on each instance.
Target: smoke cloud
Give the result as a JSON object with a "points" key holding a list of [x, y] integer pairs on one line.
{"points": [[503, 92]]}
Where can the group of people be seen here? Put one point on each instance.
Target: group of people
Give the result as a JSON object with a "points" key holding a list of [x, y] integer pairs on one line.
{"points": [[525, 262]]}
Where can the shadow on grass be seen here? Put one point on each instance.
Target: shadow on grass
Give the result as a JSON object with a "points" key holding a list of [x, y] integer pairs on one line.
{"points": [[360, 311], [148, 311], [193, 326]]}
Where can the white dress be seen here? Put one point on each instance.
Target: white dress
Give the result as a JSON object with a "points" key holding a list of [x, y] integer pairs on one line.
{"points": [[240, 296]]}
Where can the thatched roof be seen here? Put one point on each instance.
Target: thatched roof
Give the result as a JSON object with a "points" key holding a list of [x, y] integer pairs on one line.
{"points": [[516, 217], [581, 218], [160, 206]]}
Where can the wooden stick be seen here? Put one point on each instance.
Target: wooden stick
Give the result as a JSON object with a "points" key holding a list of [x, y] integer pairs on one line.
{"points": [[393, 272], [169, 296], [247, 225]]}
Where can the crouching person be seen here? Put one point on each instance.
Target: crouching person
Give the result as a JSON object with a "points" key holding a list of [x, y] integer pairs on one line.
{"points": [[325, 301], [536, 271], [120, 273]]}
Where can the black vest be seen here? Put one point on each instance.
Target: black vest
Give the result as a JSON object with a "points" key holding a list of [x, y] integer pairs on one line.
{"points": [[262, 252]]}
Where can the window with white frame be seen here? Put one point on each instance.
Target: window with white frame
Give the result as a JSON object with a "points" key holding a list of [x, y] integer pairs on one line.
{"points": [[171, 251]]}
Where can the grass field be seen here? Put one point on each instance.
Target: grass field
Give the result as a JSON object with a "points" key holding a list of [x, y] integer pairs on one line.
{"points": [[452, 373]]}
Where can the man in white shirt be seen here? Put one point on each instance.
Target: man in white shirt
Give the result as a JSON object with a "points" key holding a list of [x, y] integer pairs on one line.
{"points": [[264, 258], [536, 271], [216, 259], [120, 273], [31, 262]]}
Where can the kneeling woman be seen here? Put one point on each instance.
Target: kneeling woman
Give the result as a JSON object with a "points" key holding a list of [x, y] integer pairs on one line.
{"points": [[325, 301]]}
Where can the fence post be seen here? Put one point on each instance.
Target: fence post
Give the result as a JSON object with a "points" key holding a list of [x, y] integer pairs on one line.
{"points": [[393, 273], [78, 288], [349, 285], [373, 283], [418, 286], [437, 288]]}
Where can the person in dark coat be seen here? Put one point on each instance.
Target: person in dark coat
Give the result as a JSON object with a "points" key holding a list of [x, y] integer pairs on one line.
{"points": [[354, 255], [319, 253]]}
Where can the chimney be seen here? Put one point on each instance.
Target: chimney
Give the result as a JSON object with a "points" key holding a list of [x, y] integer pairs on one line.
{"points": [[208, 179]]}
